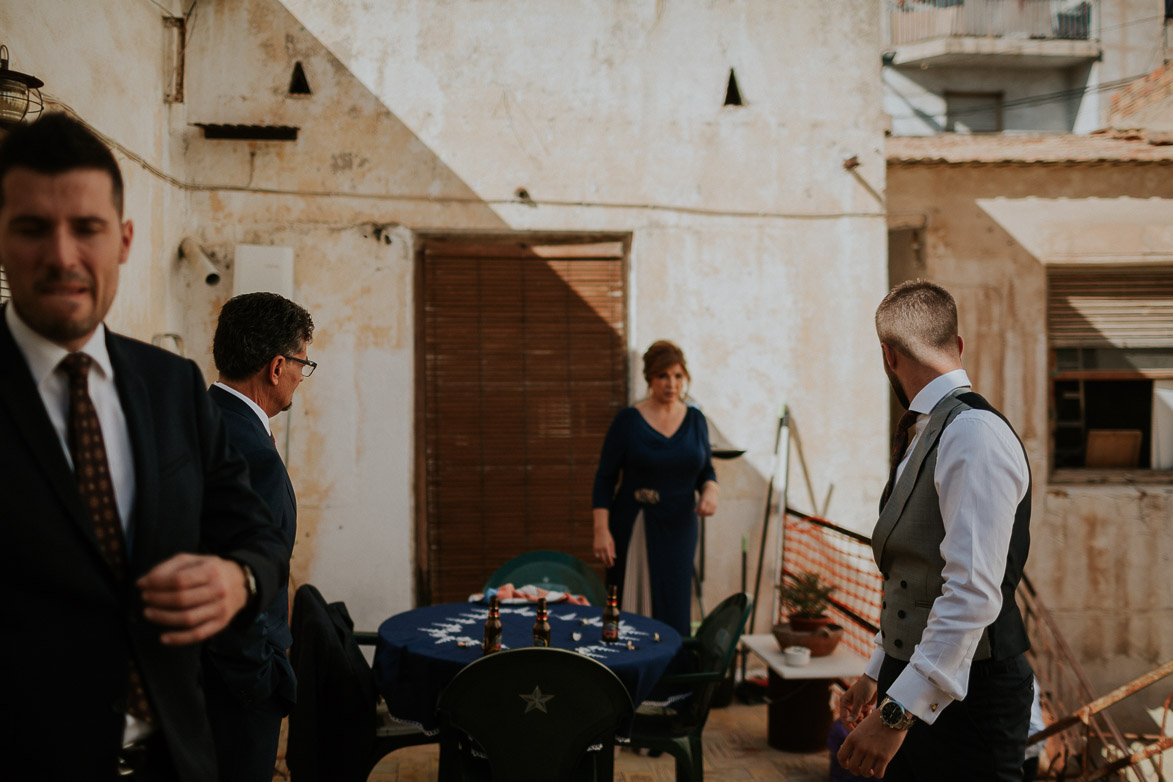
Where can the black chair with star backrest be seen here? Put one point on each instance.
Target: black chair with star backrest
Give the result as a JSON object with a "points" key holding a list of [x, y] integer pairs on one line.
{"points": [[677, 727], [531, 715]]}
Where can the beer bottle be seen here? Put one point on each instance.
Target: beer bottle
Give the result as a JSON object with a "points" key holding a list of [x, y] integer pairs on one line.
{"points": [[542, 625], [611, 616], [492, 642]]}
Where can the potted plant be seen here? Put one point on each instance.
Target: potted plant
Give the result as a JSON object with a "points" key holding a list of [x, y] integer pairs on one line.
{"points": [[805, 597]]}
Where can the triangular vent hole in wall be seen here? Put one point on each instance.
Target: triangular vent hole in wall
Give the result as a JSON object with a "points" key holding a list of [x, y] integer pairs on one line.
{"points": [[732, 93], [298, 84]]}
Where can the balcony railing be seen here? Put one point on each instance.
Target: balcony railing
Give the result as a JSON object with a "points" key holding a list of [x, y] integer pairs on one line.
{"points": [[912, 21]]}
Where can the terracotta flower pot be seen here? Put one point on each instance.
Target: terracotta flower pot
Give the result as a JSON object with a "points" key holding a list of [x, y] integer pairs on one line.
{"points": [[821, 642], [808, 624]]}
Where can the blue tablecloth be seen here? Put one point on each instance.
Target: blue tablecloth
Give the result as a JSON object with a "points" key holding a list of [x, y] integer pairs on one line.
{"points": [[419, 652]]}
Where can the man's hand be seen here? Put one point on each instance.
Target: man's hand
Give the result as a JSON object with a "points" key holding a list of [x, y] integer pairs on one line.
{"points": [[195, 594], [855, 704], [868, 749]]}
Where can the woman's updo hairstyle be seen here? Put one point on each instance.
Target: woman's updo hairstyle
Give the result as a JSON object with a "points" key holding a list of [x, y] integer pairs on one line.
{"points": [[663, 355]]}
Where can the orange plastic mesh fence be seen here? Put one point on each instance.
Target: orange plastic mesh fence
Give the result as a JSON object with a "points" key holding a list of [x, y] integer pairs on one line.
{"points": [[843, 558]]}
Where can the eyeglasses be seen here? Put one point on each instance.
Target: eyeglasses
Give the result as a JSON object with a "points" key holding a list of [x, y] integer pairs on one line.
{"points": [[307, 367]]}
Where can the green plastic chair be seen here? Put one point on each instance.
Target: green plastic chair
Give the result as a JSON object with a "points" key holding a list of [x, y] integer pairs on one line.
{"points": [[676, 729], [551, 570], [534, 712]]}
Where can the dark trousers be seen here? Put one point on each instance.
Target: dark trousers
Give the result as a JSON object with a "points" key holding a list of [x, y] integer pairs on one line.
{"points": [[246, 738], [981, 738]]}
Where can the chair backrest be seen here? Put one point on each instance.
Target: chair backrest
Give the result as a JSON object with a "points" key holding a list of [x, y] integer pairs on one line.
{"points": [[717, 639], [332, 727], [533, 711], [551, 570]]}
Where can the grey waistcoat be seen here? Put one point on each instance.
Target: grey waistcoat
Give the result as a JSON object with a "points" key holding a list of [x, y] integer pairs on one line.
{"points": [[907, 547]]}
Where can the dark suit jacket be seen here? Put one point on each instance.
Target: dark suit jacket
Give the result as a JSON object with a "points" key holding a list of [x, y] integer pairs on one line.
{"points": [[332, 728], [69, 624], [249, 656]]}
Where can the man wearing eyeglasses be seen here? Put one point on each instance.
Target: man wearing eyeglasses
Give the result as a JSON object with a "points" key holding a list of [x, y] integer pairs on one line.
{"points": [[260, 353]]}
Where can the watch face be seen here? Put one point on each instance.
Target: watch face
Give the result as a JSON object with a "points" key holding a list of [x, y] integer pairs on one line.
{"points": [[892, 712]]}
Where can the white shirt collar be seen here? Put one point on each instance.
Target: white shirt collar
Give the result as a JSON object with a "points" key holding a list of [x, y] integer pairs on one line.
{"points": [[43, 355], [938, 387], [255, 407]]}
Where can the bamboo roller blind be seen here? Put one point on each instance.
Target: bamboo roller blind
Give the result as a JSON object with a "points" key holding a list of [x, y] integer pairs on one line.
{"points": [[524, 370], [1114, 308]]}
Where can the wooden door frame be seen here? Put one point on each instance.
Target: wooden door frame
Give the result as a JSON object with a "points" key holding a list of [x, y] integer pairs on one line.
{"points": [[422, 591]]}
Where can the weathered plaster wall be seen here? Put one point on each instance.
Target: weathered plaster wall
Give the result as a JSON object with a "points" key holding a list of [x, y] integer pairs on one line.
{"points": [[77, 50], [1131, 34], [752, 245], [1100, 555], [336, 197], [611, 116]]}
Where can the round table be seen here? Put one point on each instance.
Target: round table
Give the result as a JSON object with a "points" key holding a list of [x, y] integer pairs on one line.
{"points": [[418, 652]]}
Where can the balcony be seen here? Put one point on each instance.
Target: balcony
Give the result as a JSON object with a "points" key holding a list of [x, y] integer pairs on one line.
{"points": [[991, 33]]}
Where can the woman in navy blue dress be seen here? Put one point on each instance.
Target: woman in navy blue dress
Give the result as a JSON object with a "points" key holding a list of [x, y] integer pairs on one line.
{"points": [[646, 527]]}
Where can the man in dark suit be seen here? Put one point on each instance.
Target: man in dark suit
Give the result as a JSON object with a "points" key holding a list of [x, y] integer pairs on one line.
{"points": [[131, 532], [260, 352]]}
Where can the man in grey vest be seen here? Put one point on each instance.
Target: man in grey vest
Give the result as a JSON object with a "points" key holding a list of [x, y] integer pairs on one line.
{"points": [[953, 687]]}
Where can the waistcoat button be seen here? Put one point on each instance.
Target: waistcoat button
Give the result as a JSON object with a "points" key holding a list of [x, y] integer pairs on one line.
{"points": [[904, 585], [901, 613], [898, 643]]}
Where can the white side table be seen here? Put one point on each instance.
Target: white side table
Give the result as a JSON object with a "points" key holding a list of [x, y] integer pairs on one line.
{"points": [[799, 715]]}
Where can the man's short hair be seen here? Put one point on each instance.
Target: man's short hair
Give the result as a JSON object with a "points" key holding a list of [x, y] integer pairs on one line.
{"points": [[55, 144], [256, 327], [918, 318]]}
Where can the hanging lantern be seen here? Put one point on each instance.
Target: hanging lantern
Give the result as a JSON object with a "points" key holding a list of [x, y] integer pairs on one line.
{"points": [[19, 93]]}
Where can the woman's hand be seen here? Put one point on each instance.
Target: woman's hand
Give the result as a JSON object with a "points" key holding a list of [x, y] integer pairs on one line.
{"points": [[604, 545], [707, 504]]}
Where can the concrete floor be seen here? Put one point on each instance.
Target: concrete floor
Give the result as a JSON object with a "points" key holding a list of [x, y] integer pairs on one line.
{"points": [[735, 748]]}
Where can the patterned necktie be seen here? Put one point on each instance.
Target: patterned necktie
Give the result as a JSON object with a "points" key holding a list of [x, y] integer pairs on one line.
{"points": [[899, 446], [92, 470]]}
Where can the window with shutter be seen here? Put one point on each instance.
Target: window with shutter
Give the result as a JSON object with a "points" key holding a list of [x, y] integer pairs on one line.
{"points": [[524, 367], [1111, 340]]}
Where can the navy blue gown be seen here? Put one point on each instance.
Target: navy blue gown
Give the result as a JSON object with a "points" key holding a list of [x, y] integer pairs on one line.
{"points": [[675, 468]]}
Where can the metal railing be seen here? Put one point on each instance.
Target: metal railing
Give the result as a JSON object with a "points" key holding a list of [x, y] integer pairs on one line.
{"points": [[911, 21]]}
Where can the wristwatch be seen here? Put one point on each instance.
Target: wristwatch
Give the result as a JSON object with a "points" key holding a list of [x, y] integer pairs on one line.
{"points": [[895, 716]]}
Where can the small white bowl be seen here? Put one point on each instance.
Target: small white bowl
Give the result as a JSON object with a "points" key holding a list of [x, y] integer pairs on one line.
{"points": [[797, 656]]}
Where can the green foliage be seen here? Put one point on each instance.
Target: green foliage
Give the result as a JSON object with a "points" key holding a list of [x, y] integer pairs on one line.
{"points": [[805, 594]]}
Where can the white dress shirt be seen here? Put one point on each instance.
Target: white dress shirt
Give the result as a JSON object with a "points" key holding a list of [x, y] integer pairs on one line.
{"points": [[981, 477], [252, 405], [44, 359]]}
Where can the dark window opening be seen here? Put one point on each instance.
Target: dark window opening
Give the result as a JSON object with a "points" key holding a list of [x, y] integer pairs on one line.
{"points": [[1103, 423], [732, 93], [298, 84], [973, 112]]}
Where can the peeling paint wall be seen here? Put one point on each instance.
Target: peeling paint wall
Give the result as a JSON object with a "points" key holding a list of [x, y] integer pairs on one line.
{"points": [[611, 116], [75, 49], [752, 245], [1100, 554]]}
